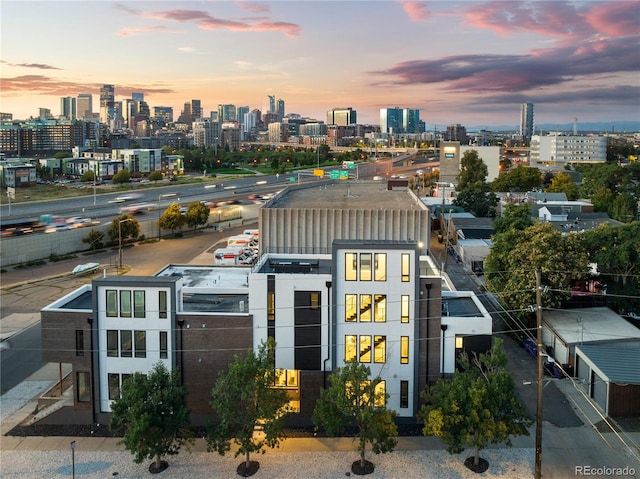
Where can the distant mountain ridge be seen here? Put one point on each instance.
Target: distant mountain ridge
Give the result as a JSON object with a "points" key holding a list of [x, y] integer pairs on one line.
{"points": [[583, 127]]}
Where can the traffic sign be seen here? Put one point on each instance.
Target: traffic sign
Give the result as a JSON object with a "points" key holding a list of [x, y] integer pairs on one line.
{"points": [[335, 174], [319, 173]]}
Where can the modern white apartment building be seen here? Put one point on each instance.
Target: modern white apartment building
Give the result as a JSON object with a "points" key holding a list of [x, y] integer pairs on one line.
{"points": [[558, 149]]}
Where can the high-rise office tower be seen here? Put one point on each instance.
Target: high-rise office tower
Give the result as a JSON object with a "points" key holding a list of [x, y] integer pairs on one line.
{"points": [[196, 109], [527, 124], [227, 113], [342, 117], [107, 103], [391, 120], [137, 96], [84, 106], [241, 111], [272, 104], [163, 113], [280, 109], [68, 108], [411, 120]]}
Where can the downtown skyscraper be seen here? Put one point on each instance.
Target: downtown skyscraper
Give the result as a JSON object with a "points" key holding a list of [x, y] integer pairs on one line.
{"points": [[527, 124]]}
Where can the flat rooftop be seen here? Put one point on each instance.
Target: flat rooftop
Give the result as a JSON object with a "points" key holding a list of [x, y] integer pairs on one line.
{"points": [[216, 277], [589, 324], [362, 195]]}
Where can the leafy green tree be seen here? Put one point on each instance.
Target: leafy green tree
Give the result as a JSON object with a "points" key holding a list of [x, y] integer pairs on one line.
{"points": [[123, 227], [172, 219], [155, 175], [243, 399], [472, 170], [515, 256], [477, 199], [353, 399], [624, 208], [197, 214], [475, 408], [521, 178], [88, 176], [562, 183], [602, 200], [152, 412], [61, 155], [94, 239], [513, 216], [122, 176]]}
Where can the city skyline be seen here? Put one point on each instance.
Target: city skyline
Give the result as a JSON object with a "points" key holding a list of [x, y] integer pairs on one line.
{"points": [[456, 62]]}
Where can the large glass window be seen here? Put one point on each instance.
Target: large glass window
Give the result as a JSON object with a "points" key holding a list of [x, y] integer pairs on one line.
{"points": [[113, 381], [404, 394], [315, 300], [141, 344], [365, 307], [351, 267], [112, 343], [350, 347], [126, 346], [79, 342], [365, 266], [84, 387], [164, 350], [380, 392], [350, 307], [138, 304], [112, 303], [405, 267], [380, 313], [404, 349], [404, 308], [365, 349], [379, 349], [162, 304], [125, 304], [380, 267]]}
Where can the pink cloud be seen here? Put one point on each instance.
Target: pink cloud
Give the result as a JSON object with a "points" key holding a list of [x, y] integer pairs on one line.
{"points": [[131, 31], [614, 18], [254, 7], [417, 11]]}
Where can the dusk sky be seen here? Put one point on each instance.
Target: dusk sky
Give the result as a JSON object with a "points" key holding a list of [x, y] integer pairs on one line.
{"points": [[467, 62]]}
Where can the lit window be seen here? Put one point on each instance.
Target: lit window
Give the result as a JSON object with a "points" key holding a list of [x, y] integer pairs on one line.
{"points": [[315, 300], [380, 313], [365, 266], [163, 345], [112, 303], [350, 307], [162, 304], [459, 341], [138, 304], [84, 389], [365, 307], [350, 348], [380, 394], [126, 346], [350, 267], [404, 349], [112, 343], [404, 308], [141, 344], [379, 349], [405, 265], [380, 267], [271, 306], [125, 304], [365, 349]]}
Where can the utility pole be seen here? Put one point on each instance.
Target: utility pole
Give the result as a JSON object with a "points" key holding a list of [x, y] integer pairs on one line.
{"points": [[538, 460]]}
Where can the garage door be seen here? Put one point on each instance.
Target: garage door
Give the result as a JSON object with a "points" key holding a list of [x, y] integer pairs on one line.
{"points": [[582, 372]]}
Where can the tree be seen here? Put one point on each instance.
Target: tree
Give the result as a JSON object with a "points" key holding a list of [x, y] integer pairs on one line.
{"points": [[123, 227], [472, 170], [172, 219], [197, 214], [243, 399], [516, 254], [94, 239], [475, 408], [522, 178], [88, 176], [122, 176], [355, 400], [624, 208], [562, 183], [61, 155], [513, 216], [155, 175], [477, 199], [152, 412], [602, 199]]}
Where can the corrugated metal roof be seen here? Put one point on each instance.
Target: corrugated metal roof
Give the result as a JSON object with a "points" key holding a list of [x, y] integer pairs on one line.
{"points": [[618, 360]]}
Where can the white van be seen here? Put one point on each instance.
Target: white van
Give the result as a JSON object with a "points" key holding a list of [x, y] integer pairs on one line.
{"points": [[252, 233], [239, 240], [227, 255]]}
